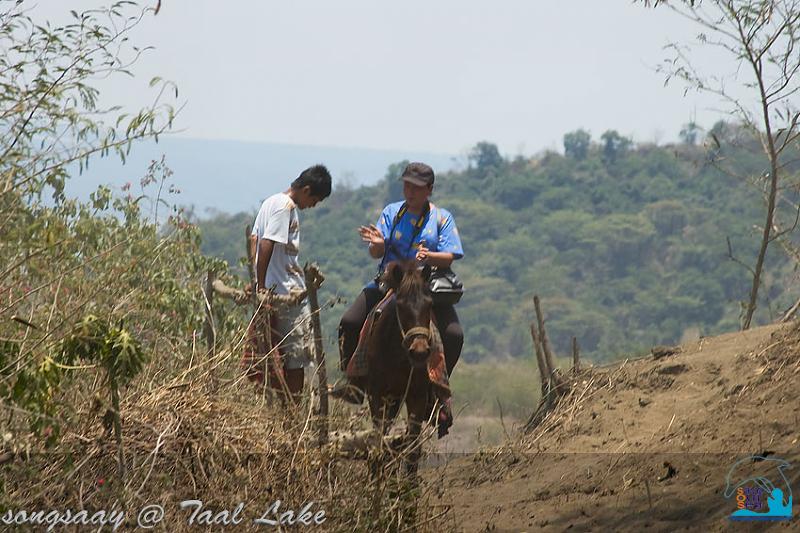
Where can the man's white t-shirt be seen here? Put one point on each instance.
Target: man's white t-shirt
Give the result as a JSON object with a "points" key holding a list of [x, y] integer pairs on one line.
{"points": [[277, 221]]}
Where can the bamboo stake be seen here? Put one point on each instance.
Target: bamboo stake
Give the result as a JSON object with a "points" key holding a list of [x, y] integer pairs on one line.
{"points": [[552, 384], [250, 259], [314, 279], [548, 354], [544, 373]]}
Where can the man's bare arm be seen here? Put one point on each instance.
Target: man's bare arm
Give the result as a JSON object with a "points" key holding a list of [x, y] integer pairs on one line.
{"points": [[440, 259], [265, 247], [437, 259]]}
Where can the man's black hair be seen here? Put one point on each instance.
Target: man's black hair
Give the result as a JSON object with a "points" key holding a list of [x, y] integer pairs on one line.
{"points": [[316, 177]]}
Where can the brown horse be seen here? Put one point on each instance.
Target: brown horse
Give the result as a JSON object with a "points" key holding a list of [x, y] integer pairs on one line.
{"points": [[398, 351]]}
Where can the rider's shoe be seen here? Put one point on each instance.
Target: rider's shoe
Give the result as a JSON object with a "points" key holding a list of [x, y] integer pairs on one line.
{"points": [[444, 419]]}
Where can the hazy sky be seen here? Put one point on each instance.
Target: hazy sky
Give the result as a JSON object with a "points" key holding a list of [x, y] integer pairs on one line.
{"points": [[426, 75]]}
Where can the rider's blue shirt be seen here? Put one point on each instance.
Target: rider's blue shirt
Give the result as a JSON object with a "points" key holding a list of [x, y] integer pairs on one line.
{"points": [[438, 234]]}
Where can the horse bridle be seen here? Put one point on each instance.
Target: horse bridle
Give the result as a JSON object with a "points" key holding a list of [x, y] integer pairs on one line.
{"points": [[408, 336]]}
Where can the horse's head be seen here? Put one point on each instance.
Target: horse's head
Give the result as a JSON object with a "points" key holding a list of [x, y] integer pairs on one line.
{"points": [[413, 309]]}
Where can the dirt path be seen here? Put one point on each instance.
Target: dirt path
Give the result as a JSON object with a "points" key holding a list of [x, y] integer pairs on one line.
{"points": [[643, 445]]}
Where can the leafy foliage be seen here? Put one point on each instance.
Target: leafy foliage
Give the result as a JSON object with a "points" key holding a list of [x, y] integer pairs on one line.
{"points": [[576, 144], [74, 272], [113, 348], [486, 158]]}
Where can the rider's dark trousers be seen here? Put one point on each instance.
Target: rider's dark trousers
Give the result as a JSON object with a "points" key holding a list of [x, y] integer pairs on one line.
{"points": [[355, 316]]}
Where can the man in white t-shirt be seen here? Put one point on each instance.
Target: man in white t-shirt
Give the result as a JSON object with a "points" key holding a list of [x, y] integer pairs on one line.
{"points": [[275, 244]]}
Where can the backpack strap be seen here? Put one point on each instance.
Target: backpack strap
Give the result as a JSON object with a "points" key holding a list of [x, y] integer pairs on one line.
{"points": [[420, 223], [438, 219]]}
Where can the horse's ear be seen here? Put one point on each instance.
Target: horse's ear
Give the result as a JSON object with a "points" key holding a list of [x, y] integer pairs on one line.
{"points": [[393, 275]]}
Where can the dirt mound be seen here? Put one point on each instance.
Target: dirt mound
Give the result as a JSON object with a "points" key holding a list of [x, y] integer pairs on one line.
{"points": [[644, 443]]}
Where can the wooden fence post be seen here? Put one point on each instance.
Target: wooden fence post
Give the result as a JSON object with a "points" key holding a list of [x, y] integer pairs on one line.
{"points": [[313, 281], [552, 384], [251, 269], [543, 337], [544, 373]]}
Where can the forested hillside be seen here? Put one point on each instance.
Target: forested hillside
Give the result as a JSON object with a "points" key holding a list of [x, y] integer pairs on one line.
{"points": [[626, 244]]}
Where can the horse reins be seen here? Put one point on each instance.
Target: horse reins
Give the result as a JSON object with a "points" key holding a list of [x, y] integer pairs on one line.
{"points": [[409, 335]]}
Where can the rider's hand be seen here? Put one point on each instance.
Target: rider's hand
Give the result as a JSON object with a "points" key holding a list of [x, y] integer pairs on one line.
{"points": [[371, 234], [422, 253]]}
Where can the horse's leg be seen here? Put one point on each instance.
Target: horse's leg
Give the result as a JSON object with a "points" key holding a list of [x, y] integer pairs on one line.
{"points": [[417, 407], [383, 412]]}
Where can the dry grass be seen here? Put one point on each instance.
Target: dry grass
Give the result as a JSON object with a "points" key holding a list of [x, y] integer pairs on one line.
{"points": [[208, 434]]}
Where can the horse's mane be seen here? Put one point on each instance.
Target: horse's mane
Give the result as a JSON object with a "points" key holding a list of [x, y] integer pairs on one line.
{"points": [[405, 279], [412, 283]]}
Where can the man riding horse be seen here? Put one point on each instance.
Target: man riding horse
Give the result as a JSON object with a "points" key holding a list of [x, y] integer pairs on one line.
{"points": [[415, 230]]}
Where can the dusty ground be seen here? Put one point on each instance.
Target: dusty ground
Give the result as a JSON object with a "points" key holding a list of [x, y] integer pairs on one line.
{"points": [[643, 445]]}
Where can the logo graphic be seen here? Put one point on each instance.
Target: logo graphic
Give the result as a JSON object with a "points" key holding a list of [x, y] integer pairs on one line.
{"points": [[762, 495]]}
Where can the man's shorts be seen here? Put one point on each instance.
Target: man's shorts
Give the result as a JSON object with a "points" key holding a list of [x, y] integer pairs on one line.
{"points": [[293, 332]]}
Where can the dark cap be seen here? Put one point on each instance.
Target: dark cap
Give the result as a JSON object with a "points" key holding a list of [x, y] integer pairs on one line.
{"points": [[418, 174]]}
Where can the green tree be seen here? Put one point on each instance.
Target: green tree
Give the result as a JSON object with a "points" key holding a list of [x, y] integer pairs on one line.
{"points": [[563, 227], [486, 158], [614, 145], [576, 144], [669, 217], [689, 133], [620, 239], [515, 191]]}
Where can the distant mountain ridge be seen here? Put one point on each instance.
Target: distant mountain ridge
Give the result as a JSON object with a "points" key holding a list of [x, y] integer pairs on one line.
{"points": [[232, 176]]}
